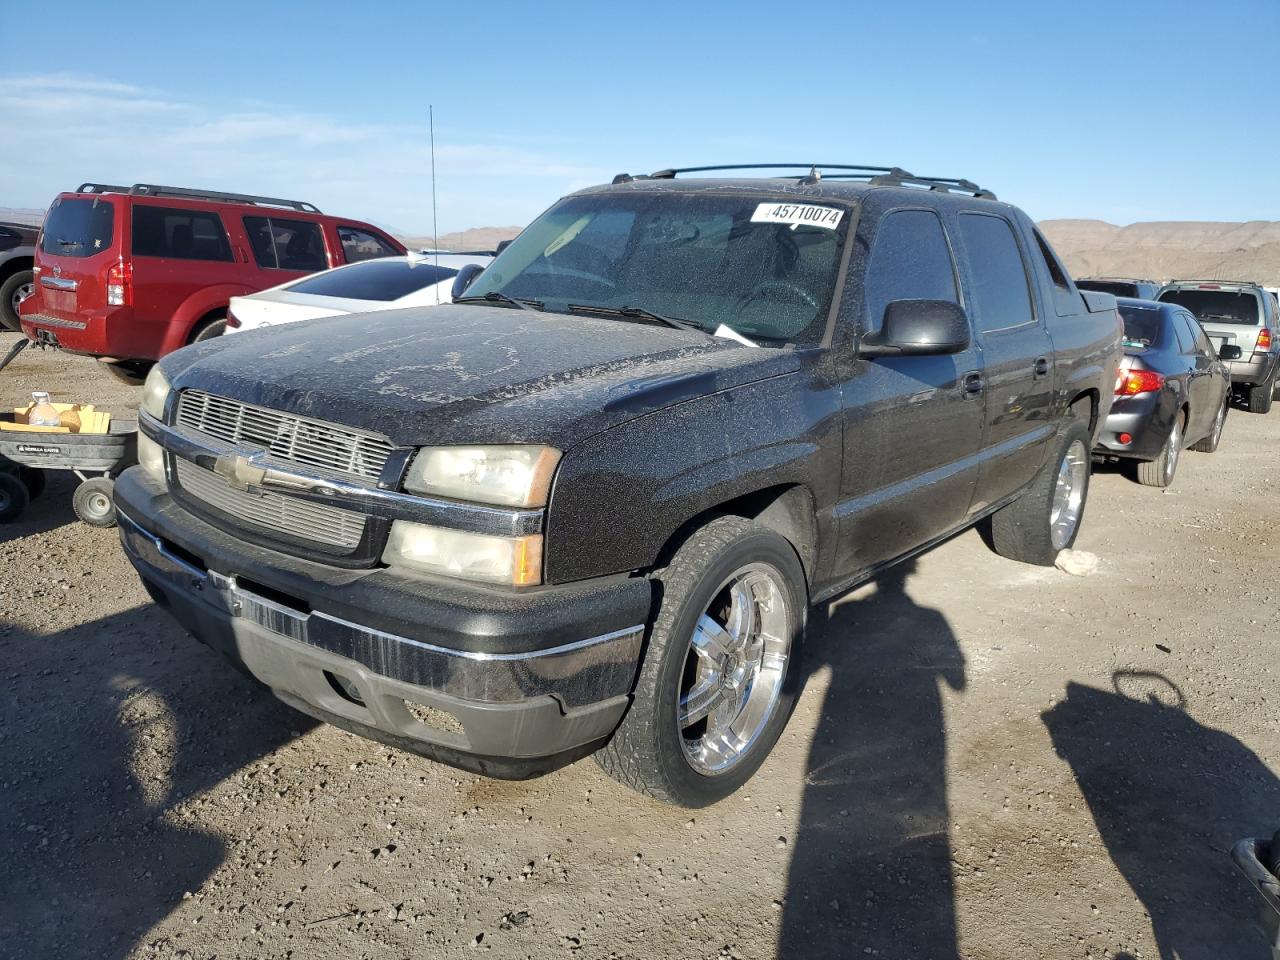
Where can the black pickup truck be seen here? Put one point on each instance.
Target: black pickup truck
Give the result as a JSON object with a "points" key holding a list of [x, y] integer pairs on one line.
{"points": [[585, 508]]}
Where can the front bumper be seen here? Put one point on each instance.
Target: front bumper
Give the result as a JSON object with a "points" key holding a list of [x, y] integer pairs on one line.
{"points": [[1146, 418], [1257, 369], [450, 682]]}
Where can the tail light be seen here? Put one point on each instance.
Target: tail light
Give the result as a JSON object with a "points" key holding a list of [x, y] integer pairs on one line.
{"points": [[120, 284], [1264, 341], [233, 321], [1131, 382]]}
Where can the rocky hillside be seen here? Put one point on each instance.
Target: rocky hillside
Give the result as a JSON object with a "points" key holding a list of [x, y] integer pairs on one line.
{"points": [[1174, 250]]}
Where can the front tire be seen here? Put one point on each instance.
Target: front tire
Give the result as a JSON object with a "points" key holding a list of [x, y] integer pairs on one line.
{"points": [[721, 668], [1210, 443], [1046, 518]]}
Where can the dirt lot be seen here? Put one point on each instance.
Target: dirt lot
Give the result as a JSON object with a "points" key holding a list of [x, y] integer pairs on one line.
{"points": [[989, 761]]}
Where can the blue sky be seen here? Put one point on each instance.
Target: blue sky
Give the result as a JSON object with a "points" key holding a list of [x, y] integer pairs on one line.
{"points": [[1122, 111]]}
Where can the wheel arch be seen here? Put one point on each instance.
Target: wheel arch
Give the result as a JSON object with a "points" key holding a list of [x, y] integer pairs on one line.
{"points": [[1093, 398], [787, 509]]}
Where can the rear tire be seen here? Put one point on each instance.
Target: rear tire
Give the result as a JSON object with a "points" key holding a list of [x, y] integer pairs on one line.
{"points": [[1260, 396], [13, 497], [746, 689], [93, 504], [1160, 471], [1046, 518], [15, 285], [213, 328], [1210, 443]]}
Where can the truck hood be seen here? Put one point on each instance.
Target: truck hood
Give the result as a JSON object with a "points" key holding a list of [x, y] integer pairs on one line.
{"points": [[471, 374]]}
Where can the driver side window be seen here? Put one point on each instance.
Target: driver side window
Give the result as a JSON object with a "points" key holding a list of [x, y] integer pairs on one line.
{"points": [[910, 260]]}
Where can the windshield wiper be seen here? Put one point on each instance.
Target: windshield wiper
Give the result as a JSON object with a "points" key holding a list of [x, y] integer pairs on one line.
{"points": [[637, 313], [493, 296]]}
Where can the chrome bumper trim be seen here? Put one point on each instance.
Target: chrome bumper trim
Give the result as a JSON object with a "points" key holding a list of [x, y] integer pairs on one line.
{"points": [[249, 470], [577, 673]]}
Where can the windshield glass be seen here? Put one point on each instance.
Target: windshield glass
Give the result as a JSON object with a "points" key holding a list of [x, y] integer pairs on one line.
{"points": [[77, 228], [1141, 326], [1217, 306], [383, 280], [766, 269]]}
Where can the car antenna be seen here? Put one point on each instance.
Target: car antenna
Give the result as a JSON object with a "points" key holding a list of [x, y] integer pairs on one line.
{"points": [[435, 229]]}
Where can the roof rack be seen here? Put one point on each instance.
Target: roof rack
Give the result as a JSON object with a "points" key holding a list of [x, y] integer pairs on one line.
{"points": [[875, 176], [186, 193]]}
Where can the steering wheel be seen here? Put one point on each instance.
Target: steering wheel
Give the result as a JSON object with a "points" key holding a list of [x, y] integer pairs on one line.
{"points": [[780, 286]]}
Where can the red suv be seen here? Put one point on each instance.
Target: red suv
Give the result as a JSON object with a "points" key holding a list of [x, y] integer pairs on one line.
{"points": [[129, 274]]}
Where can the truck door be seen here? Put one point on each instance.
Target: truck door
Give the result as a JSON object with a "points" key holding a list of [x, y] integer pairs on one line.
{"points": [[1017, 356], [912, 424]]}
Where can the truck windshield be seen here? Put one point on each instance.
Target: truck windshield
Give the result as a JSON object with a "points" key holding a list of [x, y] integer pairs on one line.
{"points": [[1217, 306], [764, 267], [77, 228]]}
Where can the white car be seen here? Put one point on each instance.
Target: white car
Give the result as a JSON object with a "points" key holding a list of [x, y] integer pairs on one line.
{"points": [[387, 283]]}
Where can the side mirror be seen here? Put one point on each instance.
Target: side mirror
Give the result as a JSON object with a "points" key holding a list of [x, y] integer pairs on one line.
{"points": [[502, 245], [466, 276], [1230, 351], [918, 327]]}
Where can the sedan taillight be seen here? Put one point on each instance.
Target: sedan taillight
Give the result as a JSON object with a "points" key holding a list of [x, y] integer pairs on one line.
{"points": [[1131, 382]]}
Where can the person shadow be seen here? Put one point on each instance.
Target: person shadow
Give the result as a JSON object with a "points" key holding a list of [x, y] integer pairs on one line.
{"points": [[1170, 797], [871, 870], [110, 733]]}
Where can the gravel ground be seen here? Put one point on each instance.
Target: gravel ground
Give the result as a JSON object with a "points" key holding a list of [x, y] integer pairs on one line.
{"points": [[989, 761]]}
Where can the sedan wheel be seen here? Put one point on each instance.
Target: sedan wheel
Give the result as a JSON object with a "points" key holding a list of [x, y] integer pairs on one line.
{"points": [[1159, 472]]}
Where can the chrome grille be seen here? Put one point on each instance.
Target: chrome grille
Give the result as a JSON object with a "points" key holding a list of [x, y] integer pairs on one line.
{"points": [[288, 439], [297, 518]]}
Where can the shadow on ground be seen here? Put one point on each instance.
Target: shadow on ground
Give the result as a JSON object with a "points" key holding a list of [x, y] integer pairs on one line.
{"points": [[871, 871], [1170, 797], [104, 728]]}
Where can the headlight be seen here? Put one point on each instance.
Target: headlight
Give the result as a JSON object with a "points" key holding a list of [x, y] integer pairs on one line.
{"points": [[511, 476], [151, 457], [516, 561], [154, 393]]}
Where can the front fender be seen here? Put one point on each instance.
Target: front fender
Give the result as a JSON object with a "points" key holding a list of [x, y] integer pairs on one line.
{"points": [[621, 495], [193, 309]]}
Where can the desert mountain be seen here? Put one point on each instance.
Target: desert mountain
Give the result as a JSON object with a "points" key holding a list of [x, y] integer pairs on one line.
{"points": [[1172, 250]]}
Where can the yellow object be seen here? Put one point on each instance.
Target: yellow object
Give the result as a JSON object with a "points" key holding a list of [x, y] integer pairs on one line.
{"points": [[74, 417]]}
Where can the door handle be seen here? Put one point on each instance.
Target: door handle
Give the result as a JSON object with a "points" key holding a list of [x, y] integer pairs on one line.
{"points": [[974, 384], [1041, 367]]}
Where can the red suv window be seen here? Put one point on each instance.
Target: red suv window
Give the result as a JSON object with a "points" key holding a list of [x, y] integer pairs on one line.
{"points": [[360, 245], [182, 234], [281, 244]]}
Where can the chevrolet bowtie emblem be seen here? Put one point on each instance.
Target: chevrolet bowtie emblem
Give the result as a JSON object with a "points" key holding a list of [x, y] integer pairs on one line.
{"points": [[241, 469]]}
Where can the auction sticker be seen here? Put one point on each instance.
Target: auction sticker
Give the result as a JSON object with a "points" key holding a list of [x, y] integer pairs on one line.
{"points": [[798, 215]]}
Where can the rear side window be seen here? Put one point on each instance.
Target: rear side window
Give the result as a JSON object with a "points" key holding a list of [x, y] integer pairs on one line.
{"points": [[78, 228], [1217, 306], [383, 280], [360, 245], [1182, 327], [909, 261], [281, 244], [179, 234], [1001, 293]]}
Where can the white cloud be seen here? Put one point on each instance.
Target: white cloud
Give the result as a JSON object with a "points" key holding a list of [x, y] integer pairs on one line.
{"points": [[79, 128]]}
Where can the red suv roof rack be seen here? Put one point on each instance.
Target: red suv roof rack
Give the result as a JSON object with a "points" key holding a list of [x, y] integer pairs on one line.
{"points": [[186, 193]]}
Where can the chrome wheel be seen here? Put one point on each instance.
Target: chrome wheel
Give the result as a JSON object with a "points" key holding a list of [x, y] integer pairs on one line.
{"points": [[1172, 451], [1219, 422], [1068, 494], [734, 670], [20, 293]]}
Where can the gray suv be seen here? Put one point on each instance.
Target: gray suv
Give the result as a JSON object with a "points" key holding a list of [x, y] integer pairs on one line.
{"points": [[17, 255], [1241, 314]]}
